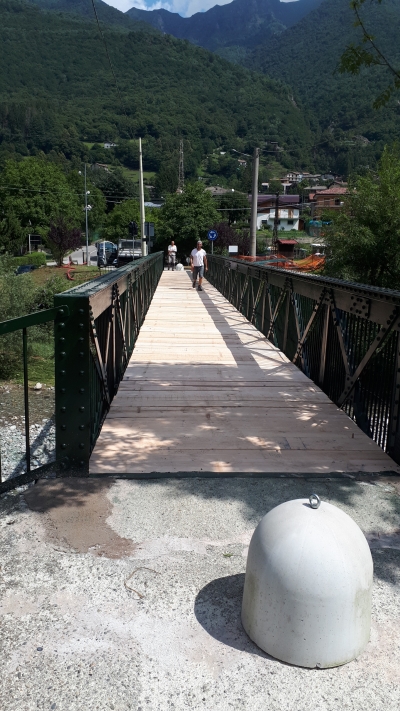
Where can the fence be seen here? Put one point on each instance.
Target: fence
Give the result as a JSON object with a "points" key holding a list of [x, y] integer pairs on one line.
{"points": [[96, 326], [344, 336], [58, 314], [92, 349]]}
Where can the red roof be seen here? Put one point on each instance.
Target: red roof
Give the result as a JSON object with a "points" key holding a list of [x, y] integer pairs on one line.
{"points": [[332, 191], [287, 241]]}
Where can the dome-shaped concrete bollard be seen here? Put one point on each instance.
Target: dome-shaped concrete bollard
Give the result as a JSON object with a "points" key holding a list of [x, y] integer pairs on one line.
{"points": [[307, 591]]}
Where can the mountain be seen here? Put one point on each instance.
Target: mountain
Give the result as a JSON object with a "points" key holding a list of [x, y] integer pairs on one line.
{"points": [[57, 91], [106, 13], [241, 23], [306, 56]]}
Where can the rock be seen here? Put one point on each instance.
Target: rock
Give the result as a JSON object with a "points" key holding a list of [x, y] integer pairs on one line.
{"points": [[38, 386]]}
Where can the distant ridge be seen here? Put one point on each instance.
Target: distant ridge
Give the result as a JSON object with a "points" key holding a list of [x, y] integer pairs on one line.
{"points": [[106, 13], [241, 23]]}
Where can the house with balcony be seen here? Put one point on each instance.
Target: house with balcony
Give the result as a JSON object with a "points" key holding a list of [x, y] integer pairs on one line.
{"points": [[330, 199], [288, 212]]}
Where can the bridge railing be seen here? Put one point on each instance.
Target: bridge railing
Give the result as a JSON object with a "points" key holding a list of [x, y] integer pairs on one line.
{"points": [[344, 336], [22, 324], [93, 345]]}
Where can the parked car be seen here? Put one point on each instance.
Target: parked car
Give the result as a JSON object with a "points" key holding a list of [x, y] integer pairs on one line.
{"points": [[25, 269], [106, 253], [128, 250]]}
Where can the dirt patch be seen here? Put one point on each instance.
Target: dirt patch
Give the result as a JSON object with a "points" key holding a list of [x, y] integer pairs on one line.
{"points": [[391, 481], [75, 515], [41, 404]]}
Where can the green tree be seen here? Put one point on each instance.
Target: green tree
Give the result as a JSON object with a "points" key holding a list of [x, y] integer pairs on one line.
{"points": [[11, 234], [62, 238], [368, 53], [36, 192], [275, 186], [166, 179], [96, 198], [364, 238], [114, 185], [117, 221], [186, 217], [233, 207], [17, 295]]}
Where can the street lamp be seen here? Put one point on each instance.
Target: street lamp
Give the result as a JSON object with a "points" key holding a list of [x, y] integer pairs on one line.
{"points": [[86, 208]]}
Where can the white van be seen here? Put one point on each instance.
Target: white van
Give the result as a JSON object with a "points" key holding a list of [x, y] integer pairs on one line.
{"points": [[106, 253]]}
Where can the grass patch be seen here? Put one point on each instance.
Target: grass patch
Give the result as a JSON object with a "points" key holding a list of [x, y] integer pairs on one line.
{"points": [[134, 174], [80, 274], [41, 363], [41, 347]]}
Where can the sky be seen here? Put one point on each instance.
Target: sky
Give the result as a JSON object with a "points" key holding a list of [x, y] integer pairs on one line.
{"points": [[186, 8]]}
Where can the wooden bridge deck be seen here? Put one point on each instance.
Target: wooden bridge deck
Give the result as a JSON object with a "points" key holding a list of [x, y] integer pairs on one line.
{"points": [[205, 392]]}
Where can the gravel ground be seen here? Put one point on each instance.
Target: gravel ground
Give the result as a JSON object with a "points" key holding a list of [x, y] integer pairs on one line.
{"points": [[12, 428], [126, 595]]}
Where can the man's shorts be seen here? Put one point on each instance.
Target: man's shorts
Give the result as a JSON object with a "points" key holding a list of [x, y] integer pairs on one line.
{"points": [[198, 272]]}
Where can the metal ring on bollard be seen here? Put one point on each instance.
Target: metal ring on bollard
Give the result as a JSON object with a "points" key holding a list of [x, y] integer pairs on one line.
{"points": [[315, 501]]}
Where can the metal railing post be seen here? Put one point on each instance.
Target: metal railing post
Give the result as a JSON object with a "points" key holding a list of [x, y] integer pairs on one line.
{"points": [[353, 328], [26, 399], [92, 349], [72, 383]]}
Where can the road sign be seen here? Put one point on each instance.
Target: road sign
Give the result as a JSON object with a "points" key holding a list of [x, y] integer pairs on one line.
{"points": [[149, 229], [212, 235]]}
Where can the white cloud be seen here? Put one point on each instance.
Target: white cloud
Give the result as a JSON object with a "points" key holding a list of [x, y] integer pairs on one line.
{"points": [[186, 8], [125, 5], [192, 6]]}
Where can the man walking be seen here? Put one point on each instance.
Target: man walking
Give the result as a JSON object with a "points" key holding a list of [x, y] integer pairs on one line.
{"points": [[198, 260], [171, 255]]}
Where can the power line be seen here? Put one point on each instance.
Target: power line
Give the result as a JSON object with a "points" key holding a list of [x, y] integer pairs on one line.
{"points": [[181, 176], [109, 58], [122, 196]]}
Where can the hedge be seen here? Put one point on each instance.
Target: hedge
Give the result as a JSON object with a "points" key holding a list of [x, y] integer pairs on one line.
{"points": [[36, 258]]}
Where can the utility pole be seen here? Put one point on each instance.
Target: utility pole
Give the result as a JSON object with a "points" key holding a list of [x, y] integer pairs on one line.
{"points": [[254, 204], [86, 222], [141, 199], [181, 175], [276, 222]]}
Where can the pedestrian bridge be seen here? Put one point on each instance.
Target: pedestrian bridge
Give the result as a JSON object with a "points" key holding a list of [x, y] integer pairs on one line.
{"points": [[205, 393]]}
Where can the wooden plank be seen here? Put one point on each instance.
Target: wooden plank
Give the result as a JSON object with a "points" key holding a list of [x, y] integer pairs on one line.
{"points": [[201, 373], [120, 460]]}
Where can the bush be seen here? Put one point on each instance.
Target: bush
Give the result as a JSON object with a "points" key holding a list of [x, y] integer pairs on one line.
{"points": [[20, 296], [38, 259], [17, 295]]}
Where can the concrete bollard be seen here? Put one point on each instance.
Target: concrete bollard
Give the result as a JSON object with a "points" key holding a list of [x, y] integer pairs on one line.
{"points": [[308, 585]]}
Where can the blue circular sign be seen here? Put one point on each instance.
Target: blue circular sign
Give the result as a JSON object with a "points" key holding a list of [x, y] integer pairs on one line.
{"points": [[212, 235]]}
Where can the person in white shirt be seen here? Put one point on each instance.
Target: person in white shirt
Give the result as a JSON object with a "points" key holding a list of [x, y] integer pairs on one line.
{"points": [[198, 260], [171, 255]]}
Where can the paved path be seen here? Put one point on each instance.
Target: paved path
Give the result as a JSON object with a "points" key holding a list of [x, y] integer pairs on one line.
{"points": [[75, 636], [205, 392], [79, 255]]}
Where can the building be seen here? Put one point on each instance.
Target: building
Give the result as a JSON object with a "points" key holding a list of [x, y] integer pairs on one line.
{"points": [[295, 177], [109, 144], [288, 212], [330, 199]]}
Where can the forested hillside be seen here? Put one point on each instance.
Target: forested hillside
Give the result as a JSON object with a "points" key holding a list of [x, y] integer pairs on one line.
{"points": [[307, 55], [106, 13], [57, 90], [241, 23]]}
